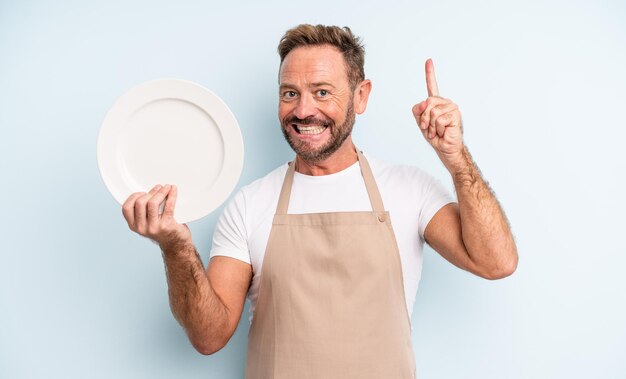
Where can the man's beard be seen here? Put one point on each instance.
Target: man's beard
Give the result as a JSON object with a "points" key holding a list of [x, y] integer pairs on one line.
{"points": [[337, 137]]}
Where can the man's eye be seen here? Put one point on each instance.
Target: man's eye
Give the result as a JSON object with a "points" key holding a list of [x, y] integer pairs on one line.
{"points": [[322, 92], [289, 94]]}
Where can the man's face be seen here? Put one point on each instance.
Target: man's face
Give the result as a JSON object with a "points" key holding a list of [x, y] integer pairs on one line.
{"points": [[316, 106]]}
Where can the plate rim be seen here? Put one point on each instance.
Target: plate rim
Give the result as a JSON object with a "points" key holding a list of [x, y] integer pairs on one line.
{"points": [[232, 164]]}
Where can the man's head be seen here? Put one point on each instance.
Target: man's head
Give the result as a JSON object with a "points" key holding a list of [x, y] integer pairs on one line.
{"points": [[342, 39], [322, 86]]}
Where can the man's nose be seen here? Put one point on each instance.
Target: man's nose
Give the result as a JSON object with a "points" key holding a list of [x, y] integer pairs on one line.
{"points": [[305, 107]]}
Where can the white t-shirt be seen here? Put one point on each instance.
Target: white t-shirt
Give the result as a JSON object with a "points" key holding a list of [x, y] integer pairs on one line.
{"points": [[411, 196]]}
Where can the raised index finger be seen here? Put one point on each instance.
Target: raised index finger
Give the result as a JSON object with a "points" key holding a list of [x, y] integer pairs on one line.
{"points": [[431, 82]]}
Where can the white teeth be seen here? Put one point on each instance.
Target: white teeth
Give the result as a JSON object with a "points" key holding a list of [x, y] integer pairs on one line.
{"points": [[310, 129]]}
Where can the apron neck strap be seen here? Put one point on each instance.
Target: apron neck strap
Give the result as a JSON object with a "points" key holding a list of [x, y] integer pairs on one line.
{"points": [[285, 192], [370, 185]]}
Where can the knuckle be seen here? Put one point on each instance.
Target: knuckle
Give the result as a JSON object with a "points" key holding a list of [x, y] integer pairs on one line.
{"points": [[134, 196], [153, 230], [416, 110]]}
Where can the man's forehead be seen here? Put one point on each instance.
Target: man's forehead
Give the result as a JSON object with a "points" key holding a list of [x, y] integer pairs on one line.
{"points": [[322, 62]]}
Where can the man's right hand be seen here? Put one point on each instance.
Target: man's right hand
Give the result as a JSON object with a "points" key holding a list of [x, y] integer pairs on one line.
{"points": [[141, 211], [208, 310]]}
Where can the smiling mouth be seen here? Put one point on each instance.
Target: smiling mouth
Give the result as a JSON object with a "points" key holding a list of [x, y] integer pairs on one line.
{"points": [[309, 129]]}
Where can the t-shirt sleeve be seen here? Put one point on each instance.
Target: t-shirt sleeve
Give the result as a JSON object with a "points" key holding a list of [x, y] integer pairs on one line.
{"points": [[435, 196], [230, 238]]}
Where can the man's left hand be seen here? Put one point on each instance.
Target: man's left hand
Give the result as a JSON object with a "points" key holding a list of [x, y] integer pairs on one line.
{"points": [[440, 121]]}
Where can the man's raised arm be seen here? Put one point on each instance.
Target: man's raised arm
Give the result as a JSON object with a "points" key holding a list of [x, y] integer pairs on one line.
{"points": [[475, 234]]}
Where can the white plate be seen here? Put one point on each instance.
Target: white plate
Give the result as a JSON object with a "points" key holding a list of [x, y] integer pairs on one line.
{"points": [[171, 131]]}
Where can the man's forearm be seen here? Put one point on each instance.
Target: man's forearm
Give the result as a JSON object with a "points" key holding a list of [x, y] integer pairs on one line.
{"points": [[194, 303], [485, 229]]}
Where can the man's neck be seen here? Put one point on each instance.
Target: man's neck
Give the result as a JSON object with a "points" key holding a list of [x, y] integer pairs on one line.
{"points": [[341, 159]]}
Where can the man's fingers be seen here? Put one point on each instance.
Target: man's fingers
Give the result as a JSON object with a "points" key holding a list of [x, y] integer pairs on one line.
{"points": [[430, 103], [418, 109], [140, 210], [170, 203], [439, 110], [155, 203], [432, 132], [442, 122], [431, 82], [128, 208]]}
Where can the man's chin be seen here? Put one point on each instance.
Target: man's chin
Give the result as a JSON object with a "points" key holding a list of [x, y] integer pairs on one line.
{"points": [[316, 154], [309, 154], [318, 148], [305, 149]]}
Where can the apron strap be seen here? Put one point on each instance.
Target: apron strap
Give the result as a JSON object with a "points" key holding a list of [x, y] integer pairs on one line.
{"points": [[285, 192], [370, 184], [376, 200]]}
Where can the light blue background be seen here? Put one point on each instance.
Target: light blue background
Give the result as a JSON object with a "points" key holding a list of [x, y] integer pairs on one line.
{"points": [[541, 87]]}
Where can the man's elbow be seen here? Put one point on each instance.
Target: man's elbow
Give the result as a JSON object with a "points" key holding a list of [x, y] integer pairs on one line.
{"points": [[206, 346], [503, 269], [499, 274]]}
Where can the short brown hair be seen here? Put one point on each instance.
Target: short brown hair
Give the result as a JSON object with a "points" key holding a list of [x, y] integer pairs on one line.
{"points": [[347, 43]]}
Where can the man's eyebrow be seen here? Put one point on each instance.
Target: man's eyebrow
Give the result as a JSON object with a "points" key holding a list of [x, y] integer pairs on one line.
{"points": [[312, 85], [322, 84], [286, 85]]}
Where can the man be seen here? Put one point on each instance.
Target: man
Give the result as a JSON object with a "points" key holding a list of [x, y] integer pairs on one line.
{"points": [[331, 282]]}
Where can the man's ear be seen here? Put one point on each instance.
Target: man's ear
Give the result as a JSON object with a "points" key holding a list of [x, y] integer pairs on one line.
{"points": [[361, 94]]}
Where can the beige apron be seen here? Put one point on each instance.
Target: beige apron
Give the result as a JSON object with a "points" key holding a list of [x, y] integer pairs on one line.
{"points": [[331, 299]]}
